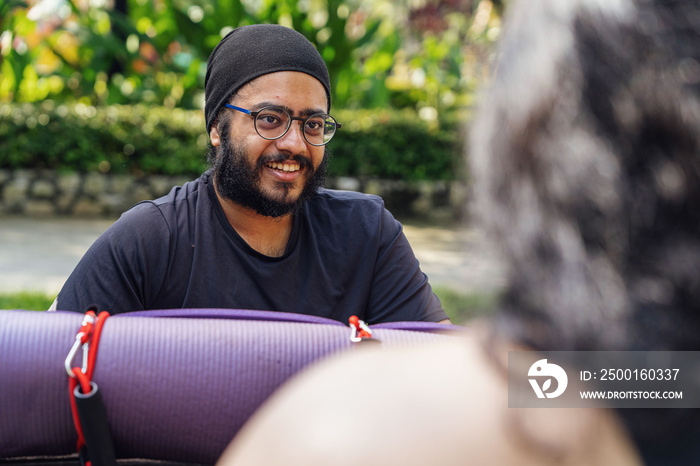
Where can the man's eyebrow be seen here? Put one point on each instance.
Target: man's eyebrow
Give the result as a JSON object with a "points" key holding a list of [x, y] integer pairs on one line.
{"points": [[312, 111], [260, 105], [305, 112]]}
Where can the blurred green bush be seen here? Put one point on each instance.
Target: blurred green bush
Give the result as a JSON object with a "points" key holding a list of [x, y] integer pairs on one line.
{"points": [[140, 139], [421, 54]]}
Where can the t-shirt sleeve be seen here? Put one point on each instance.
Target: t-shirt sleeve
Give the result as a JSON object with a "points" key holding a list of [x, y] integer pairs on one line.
{"points": [[400, 290], [124, 268]]}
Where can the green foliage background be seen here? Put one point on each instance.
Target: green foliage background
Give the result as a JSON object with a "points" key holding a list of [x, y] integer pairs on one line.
{"points": [[140, 139], [379, 53], [118, 86]]}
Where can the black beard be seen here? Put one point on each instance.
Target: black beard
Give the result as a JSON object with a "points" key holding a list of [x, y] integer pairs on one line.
{"points": [[237, 181]]}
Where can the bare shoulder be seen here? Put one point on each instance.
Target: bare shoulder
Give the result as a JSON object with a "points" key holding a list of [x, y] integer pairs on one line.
{"points": [[440, 404]]}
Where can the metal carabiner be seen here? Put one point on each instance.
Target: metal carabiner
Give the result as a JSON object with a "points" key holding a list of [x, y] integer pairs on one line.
{"points": [[73, 351], [88, 321]]}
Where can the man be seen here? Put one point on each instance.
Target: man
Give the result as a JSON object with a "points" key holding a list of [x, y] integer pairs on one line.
{"points": [[256, 231]]}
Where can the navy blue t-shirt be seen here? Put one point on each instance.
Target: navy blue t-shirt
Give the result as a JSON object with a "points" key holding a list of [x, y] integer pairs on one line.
{"points": [[346, 255]]}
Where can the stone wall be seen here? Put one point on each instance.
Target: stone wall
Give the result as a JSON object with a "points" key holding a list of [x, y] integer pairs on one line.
{"points": [[41, 193]]}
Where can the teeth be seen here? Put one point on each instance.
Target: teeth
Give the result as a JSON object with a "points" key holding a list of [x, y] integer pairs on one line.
{"points": [[284, 166]]}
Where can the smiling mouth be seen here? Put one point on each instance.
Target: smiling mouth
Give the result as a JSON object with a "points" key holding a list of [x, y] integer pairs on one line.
{"points": [[284, 167]]}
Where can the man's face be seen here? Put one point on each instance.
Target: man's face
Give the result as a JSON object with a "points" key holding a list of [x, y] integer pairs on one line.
{"points": [[271, 177]]}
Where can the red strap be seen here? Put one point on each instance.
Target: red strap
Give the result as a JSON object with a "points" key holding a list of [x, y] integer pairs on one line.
{"points": [[89, 333], [92, 352], [72, 383]]}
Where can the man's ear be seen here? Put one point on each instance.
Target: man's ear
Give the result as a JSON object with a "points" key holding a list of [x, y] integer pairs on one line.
{"points": [[214, 135]]}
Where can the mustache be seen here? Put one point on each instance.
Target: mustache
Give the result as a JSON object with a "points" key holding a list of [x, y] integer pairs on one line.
{"points": [[304, 162]]}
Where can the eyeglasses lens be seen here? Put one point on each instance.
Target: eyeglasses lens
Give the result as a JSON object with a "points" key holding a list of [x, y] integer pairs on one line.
{"points": [[273, 123]]}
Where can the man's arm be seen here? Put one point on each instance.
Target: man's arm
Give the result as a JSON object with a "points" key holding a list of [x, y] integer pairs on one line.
{"points": [[400, 290], [123, 270]]}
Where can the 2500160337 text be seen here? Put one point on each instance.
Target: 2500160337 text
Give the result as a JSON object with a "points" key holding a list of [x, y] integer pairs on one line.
{"points": [[638, 374]]}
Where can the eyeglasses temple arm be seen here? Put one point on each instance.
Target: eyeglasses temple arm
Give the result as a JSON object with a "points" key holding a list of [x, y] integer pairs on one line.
{"points": [[238, 108]]}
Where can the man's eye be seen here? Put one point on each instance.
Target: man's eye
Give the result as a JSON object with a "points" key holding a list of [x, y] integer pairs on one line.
{"points": [[314, 125], [269, 120]]}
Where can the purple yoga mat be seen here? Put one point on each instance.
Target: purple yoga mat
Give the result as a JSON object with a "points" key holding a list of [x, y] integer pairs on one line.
{"points": [[174, 388]]}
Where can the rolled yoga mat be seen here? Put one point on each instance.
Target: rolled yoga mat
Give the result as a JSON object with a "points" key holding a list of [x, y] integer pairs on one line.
{"points": [[177, 385]]}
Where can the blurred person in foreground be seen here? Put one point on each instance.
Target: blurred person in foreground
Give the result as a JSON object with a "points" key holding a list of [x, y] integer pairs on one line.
{"points": [[585, 154], [257, 230]]}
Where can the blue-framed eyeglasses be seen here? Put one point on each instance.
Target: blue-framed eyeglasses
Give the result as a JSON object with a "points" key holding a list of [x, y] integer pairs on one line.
{"points": [[273, 122]]}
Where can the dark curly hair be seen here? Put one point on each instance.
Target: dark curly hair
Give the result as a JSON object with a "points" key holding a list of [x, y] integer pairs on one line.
{"points": [[586, 161], [585, 156]]}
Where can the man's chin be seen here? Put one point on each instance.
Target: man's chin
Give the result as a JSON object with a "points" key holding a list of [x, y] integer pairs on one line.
{"points": [[280, 192], [276, 209]]}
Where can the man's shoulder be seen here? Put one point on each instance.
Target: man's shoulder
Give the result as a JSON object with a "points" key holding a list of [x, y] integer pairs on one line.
{"points": [[348, 211], [189, 190], [180, 199], [167, 211], [335, 198]]}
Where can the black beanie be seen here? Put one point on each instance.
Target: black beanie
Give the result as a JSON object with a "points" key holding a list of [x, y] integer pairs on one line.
{"points": [[249, 52]]}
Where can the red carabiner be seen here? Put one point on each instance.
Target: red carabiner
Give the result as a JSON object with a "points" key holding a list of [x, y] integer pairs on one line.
{"points": [[359, 330]]}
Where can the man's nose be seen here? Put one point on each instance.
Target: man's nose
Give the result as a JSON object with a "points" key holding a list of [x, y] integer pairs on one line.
{"points": [[293, 140]]}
